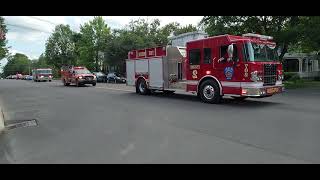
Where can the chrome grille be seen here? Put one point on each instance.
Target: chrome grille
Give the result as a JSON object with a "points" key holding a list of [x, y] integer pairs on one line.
{"points": [[89, 78], [269, 74]]}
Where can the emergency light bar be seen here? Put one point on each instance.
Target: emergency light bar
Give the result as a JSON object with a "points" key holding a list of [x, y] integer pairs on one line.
{"points": [[262, 37]]}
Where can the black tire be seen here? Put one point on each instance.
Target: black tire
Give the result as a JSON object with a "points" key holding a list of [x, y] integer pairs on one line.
{"points": [[94, 84], [209, 92], [49, 80], [240, 98], [141, 87], [77, 83], [65, 83]]}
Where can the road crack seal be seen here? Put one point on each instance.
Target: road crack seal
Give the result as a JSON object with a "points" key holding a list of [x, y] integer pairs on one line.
{"points": [[20, 124]]}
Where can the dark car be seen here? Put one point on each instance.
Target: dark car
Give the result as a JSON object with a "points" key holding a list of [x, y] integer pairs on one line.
{"points": [[115, 78], [101, 77]]}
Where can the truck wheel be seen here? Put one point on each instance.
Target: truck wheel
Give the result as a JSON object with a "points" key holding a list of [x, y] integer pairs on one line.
{"points": [[77, 83], [142, 88], [94, 84], [65, 83], [49, 80], [210, 92]]}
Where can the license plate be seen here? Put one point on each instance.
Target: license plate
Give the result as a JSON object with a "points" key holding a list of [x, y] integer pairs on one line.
{"points": [[272, 90]]}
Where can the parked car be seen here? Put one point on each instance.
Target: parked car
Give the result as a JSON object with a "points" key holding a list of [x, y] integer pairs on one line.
{"points": [[24, 77], [13, 76], [19, 76], [101, 77], [29, 77], [116, 78]]}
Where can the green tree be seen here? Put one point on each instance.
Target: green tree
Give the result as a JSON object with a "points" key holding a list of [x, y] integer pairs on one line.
{"points": [[284, 29], [185, 29], [140, 34], [41, 62], [309, 29], [3, 41], [93, 39], [18, 63], [60, 47]]}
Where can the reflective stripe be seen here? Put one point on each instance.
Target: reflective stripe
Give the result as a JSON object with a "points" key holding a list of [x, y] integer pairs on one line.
{"points": [[251, 84], [230, 84], [192, 82]]}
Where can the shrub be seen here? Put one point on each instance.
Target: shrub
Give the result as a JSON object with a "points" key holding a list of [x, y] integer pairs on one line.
{"points": [[289, 75]]}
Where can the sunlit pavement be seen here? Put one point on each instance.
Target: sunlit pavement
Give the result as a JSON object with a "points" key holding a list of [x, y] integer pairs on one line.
{"points": [[109, 123]]}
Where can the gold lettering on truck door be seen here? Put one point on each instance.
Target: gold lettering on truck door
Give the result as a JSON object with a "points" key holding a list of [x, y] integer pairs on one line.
{"points": [[194, 74], [246, 70]]}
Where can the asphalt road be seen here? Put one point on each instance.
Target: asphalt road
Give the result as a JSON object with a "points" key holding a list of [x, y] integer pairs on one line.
{"points": [[111, 124]]}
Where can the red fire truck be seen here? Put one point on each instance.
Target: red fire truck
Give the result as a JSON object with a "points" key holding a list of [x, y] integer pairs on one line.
{"points": [[42, 74], [226, 65], [77, 75]]}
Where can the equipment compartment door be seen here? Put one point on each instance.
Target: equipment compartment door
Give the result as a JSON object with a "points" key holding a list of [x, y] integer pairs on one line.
{"points": [[156, 73], [130, 72]]}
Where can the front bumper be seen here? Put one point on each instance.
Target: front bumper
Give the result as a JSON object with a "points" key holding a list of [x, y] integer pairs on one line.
{"points": [[262, 91], [84, 81], [44, 78]]}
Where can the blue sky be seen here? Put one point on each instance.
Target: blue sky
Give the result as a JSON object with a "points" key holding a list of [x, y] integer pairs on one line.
{"points": [[28, 34]]}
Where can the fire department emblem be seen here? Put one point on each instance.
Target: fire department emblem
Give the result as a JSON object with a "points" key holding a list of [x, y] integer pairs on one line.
{"points": [[228, 72]]}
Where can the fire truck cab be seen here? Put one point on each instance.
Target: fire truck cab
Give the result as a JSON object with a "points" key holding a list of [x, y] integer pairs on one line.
{"points": [[42, 74], [77, 75], [237, 66]]}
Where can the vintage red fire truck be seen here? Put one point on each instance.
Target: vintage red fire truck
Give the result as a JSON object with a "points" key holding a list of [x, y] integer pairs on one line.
{"points": [[77, 75], [226, 65], [42, 74]]}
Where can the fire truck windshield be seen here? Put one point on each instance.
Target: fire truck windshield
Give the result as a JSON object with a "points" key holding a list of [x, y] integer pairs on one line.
{"points": [[260, 52], [82, 71], [45, 71]]}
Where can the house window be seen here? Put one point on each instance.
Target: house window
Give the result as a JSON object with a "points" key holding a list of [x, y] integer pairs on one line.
{"points": [[291, 65]]}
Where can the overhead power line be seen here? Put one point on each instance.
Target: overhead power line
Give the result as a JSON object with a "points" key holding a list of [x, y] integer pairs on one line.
{"points": [[26, 27], [43, 20]]}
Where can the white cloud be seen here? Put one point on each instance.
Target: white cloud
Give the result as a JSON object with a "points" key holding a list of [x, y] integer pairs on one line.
{"points": [[29, 55], [32, 37]]}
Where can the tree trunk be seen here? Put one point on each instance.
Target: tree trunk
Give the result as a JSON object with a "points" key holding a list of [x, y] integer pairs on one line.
{"points": [[283, 51], [97, 62]]}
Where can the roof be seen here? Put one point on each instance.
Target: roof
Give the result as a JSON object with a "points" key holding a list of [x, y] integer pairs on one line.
{"points": [[232, 38], [187, 34]]}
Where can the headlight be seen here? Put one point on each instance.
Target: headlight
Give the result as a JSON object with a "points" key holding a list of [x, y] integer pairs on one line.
{"points": [[94, 77], [117, 78], [255, 77], [41, 76], [280, 77], [80, 77]]}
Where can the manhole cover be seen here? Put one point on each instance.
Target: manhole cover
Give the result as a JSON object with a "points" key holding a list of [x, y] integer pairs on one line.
{"points": [[21, 123]]}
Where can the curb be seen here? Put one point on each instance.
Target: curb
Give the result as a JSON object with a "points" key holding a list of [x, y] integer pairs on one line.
{"points": [[1, 121]]}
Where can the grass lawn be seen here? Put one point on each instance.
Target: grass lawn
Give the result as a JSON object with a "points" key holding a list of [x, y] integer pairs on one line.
{"points": [[301, 84]]}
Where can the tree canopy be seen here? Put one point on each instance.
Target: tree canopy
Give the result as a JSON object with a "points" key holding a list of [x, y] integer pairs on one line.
{"points": [[297, 33], [18, 63], [3, 41]]}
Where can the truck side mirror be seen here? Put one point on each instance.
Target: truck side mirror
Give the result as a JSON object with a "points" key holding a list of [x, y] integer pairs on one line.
{"points": [[230, 52]]}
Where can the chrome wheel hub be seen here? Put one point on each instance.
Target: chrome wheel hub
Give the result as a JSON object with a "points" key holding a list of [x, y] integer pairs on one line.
{"points": [[208, 92]]}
